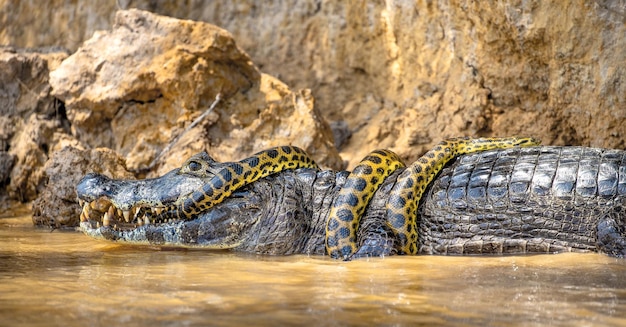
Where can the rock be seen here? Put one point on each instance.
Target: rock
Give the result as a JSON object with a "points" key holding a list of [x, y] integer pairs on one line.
{"points": [[32, 122], [138, 86], [553, 70], [341, 132], [6, 163], [56, 206]]}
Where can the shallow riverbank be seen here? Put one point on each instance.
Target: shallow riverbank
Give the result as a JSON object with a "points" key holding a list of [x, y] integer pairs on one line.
{"points": [[65, 278]]}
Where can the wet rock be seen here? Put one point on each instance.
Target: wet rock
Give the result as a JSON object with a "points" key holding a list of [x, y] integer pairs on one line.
{"points": [[137, 87], [6, 163], [32, 122], [6, 159], [56, 206]]}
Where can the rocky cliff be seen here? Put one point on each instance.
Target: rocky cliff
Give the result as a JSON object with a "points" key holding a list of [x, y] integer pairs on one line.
{"points": [[404, 74], [33, 123]]}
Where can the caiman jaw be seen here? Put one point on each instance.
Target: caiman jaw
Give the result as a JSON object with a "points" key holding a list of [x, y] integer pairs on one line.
{"points": [[102, 212], [145, 211], [126, 205]]}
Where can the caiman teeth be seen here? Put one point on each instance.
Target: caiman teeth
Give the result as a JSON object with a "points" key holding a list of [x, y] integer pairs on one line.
{"points": [[105, 219], [111, 212], [103, 213]]}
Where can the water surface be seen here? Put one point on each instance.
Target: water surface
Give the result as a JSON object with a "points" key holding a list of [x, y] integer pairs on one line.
{"points": [[65, 278]]}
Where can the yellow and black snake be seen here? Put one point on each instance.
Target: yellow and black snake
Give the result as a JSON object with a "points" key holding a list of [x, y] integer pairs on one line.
{"points": [[354, 196], [230, 176], [405, 195]]}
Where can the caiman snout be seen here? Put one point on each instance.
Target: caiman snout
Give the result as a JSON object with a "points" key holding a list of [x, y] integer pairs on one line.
{"points": [[135, 211], [131, 203], [94, 186]]}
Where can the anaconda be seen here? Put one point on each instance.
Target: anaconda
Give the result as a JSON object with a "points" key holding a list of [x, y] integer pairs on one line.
{"points": [[287, 212]]}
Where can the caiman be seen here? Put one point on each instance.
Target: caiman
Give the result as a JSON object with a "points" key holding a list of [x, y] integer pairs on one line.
{"points": [[464, 197]]}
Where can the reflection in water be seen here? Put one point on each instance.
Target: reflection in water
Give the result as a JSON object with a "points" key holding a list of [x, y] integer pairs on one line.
{"points": [[53, 278]]}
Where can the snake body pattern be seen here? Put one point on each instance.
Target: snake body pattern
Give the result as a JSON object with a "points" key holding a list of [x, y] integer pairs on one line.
{"points": [[230, 176], [355, 194]]}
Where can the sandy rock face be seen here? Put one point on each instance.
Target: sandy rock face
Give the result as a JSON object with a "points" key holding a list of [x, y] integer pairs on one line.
{"points": [[135, 90], [32, 122], [136, 87], [405, 74]]}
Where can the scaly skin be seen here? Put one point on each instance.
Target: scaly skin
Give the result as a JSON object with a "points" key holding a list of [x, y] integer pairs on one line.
{"points": [[528, 200], [406, 194], [355, 195], [233, 175], [349, 205]]}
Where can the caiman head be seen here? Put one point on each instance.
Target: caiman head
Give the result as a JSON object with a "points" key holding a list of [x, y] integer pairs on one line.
{"points": [[132, 211]]}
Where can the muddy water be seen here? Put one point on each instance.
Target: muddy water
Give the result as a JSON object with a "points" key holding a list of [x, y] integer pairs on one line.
{"points": [[65, 278]]}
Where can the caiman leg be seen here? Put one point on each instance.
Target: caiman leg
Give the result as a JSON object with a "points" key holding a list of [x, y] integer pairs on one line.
{"points": [[411, 184], [610, 233]]}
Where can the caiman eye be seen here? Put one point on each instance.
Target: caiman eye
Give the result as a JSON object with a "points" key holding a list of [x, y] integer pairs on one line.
{"points": [[194, 166]]}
